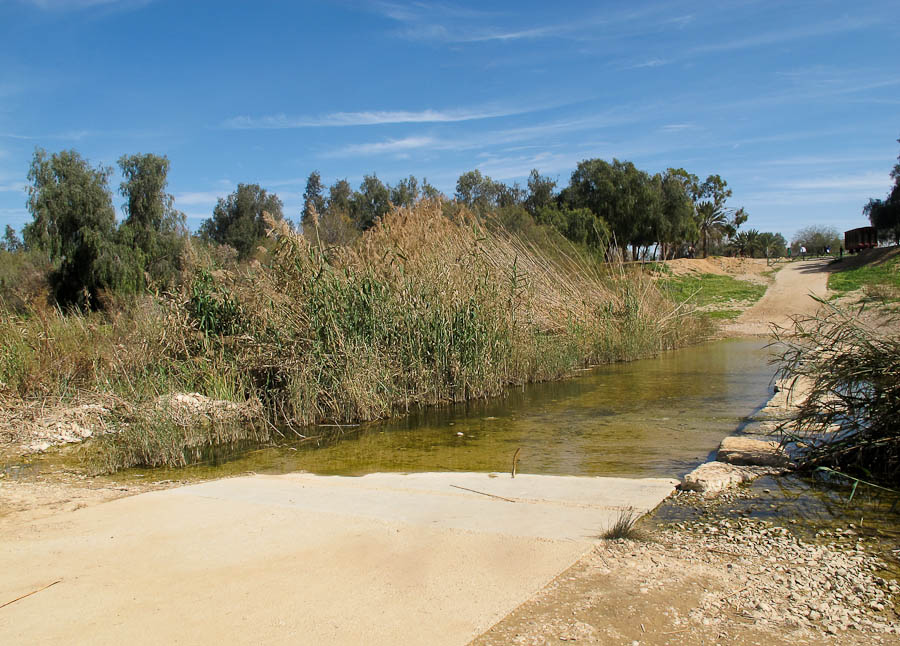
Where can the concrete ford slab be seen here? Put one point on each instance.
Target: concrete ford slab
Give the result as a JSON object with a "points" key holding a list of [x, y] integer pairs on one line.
{"points": [[431, 558]]}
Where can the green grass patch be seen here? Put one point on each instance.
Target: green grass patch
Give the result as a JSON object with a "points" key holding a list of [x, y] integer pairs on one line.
{"points": [[722, 314], [882, 279], [712, 289]]}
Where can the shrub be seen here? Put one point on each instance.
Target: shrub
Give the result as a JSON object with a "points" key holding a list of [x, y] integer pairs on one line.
{"points": [[848, 421]]}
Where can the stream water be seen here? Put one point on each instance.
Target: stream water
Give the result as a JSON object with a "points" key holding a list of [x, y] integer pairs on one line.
{"points": [[656, 417]]}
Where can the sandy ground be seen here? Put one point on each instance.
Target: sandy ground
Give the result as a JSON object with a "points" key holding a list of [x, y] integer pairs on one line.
{"points": [[303, 559]]}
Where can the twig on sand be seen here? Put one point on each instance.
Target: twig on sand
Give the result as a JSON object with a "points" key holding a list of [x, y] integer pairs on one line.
{"points": [[30, 593], [515, 461], [483, 493]]}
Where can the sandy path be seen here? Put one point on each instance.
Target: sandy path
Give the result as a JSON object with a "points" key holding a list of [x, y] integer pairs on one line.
{"points": [[788, 296]]}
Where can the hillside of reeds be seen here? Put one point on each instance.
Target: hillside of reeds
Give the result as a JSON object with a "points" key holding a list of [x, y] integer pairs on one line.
{"points": [[420, 310]]}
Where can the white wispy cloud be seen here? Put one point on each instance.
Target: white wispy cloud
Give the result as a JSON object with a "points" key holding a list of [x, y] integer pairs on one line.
{"points": [[678, 127], [823, 160], [389, 146], [653, 62], [74, 5], [864, 181], [368, 118], [779, 36]]}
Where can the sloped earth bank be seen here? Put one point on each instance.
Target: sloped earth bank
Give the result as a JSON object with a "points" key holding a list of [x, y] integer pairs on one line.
{"points": [[725, 578]]}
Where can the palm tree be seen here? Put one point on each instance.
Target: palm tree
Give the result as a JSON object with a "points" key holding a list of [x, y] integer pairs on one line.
{"points": [[745, 242], [711, 218]]}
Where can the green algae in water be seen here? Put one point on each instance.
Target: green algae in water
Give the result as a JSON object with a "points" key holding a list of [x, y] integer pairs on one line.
{"points": [[656, 417]]}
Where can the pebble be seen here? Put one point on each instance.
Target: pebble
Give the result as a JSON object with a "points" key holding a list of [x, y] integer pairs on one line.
{"points": [[781, 579]]}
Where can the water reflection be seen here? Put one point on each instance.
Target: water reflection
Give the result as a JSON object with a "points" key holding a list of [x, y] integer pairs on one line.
{"points": [[654, 417]]}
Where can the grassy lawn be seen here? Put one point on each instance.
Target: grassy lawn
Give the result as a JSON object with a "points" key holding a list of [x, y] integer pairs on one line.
{"points": [[711, 290], [883, 278]]}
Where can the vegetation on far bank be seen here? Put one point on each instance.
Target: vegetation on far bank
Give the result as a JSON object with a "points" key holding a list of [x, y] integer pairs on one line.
{"points": [[712, 292], [879, 280], [421, 309]]}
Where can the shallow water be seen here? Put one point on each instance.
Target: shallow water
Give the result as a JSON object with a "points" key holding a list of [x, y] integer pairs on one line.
{"points": [[656, 417]]}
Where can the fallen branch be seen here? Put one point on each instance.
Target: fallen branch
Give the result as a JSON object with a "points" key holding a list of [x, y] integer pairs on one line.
{"points": [[30, 593], [483, 493]]}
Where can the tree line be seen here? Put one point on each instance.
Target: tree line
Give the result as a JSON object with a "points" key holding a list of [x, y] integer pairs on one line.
{"points": [[608, 207]]}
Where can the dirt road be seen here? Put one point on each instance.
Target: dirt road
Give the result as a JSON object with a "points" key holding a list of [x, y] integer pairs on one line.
{"points": [[790, 295]]}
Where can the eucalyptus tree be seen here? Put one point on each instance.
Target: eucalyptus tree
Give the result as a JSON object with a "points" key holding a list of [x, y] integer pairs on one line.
{"points": [[152, 226], [237, 220], [11, 241], [616, 192], [370, 203], [405, 192], [677, 222], [74, 224], [540, 192], [313, 199]]}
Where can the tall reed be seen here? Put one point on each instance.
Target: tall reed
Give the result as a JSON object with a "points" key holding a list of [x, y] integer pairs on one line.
{"points": [[420, 310]]}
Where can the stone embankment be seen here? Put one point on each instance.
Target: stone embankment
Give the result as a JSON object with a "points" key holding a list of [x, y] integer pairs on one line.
{"points": [[745, 457]]}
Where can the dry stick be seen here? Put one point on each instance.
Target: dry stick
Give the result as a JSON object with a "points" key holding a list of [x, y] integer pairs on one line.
{"points": [[515, 461], [483, 493], [30, 593]]}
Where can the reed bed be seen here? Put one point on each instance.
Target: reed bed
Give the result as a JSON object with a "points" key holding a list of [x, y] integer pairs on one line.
{"points": [[420, 310]]}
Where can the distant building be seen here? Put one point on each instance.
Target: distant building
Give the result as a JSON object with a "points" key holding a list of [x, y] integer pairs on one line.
{"points": [[859, 239]]}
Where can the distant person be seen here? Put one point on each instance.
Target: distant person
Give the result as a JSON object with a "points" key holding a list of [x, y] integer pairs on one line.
{"points": [[691, 251], [842, 252], [828, 251], [802, 252], [789, 253]]}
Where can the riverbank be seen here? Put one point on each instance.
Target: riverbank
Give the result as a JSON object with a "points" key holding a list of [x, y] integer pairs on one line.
{"points": [[421, 310], [684, 575]]}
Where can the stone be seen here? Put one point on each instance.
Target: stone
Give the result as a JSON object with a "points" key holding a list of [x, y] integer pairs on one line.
{"points": [[747, 451], [712, 477]]}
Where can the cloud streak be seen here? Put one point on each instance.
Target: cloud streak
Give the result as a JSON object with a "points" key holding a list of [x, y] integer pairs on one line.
{"points": [[368, 118], [77, 5]]}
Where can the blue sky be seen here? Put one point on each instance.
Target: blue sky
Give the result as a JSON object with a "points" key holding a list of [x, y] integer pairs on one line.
{"points": [[795, 104]]}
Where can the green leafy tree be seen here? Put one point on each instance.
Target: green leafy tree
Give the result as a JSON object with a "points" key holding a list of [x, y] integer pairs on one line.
{"points": [[429, 192], [237, 220], [74, 224], [339, 195], [152, 227], [616, 192], [745, 243], [370, 203], [313, 199], [816, 239], [405, 192], [772, 245], [677, 222], [11, 241], [540, 194]]}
